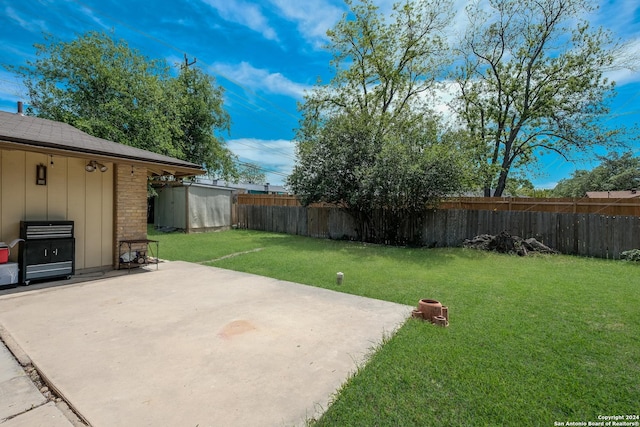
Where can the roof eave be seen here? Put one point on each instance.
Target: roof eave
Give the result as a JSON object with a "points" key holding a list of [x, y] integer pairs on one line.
{"points": [[179, 170]]}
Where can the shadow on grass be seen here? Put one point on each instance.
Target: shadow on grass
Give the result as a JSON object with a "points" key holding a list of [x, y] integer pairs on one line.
{"points": [[356, 250], [209, 246]]}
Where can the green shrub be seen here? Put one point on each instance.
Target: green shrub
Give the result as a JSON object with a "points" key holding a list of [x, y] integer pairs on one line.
{"points": [[631, 255]]}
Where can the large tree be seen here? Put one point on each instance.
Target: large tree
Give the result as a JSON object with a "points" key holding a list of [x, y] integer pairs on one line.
{"points": [[615, 172], [367, 139], [109, 90], [532, 81], [201, 117]]}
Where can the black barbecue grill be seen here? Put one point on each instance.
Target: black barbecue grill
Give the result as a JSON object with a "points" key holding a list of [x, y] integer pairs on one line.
{"points": [[48, 250]]}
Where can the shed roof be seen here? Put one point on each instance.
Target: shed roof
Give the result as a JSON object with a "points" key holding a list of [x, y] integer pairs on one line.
{"points": [[626, 194], [30, 133]]}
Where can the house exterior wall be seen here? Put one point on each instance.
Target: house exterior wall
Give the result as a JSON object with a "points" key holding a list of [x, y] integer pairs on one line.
{"points": [[130, 207], [70, 194]]}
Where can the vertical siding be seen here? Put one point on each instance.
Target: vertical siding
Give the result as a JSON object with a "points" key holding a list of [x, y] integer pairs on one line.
{"points": [[58, 200], [171, 207], [77, 212], [70, 194], [163, 208], [12, 194], [209, 208], [35, 195]]}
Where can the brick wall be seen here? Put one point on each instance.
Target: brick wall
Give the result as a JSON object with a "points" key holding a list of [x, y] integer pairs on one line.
{"points": [[130, 204]]}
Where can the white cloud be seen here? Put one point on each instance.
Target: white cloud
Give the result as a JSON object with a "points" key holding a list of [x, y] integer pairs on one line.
{"points": [[620, 17], [313, 20], [259, 79], [31, 25], [275, 157], [89, 13], [440, 98], [446, 92], [175, 61], [628, 64], [276, 152], [459, 22], [244, 13], [546, 185], [623, 76]]}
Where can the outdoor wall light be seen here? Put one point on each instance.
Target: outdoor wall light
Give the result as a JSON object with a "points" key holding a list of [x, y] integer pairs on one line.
{"points": [[41, 174], [93, 165]]}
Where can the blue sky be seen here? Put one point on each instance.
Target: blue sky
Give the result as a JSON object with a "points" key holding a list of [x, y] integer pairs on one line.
{"points": [[265, 53]]}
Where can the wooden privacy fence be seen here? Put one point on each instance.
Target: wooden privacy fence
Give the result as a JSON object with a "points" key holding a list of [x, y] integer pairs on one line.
{"points": [[535, 204], [268, 200], [592, 235], [532, 204]]}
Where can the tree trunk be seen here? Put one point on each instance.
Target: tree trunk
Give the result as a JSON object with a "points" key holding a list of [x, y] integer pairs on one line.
{"points": [[502, 183]]}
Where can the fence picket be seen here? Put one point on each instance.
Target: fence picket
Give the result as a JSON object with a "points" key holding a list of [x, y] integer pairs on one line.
{"points": [[593, 235], [617, 207]]}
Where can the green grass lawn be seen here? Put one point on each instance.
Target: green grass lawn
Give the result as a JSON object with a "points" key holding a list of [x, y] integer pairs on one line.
{"points": [[532, 341]]}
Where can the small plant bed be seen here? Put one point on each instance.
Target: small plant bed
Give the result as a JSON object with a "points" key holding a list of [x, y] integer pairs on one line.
{"points": [[531, 340]]}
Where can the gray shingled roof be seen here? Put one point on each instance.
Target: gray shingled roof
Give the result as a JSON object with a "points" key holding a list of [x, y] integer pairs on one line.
{"points": [[33, 133]]}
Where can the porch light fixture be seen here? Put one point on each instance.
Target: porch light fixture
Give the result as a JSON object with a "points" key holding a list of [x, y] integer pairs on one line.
{"points": [[41, 174], [93, 165]]}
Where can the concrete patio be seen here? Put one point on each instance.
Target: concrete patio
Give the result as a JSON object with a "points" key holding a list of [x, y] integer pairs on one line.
{"points": [[193, 345]]}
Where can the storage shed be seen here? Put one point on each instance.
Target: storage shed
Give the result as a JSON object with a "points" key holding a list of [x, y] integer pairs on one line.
{"points": [[193, 207]]}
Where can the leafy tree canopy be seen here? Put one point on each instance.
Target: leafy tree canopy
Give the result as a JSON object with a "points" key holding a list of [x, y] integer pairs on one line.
{"points": [[367, 139], [615, 173], [522, 187], [532, 81], [201, 115], [111, 91]]}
